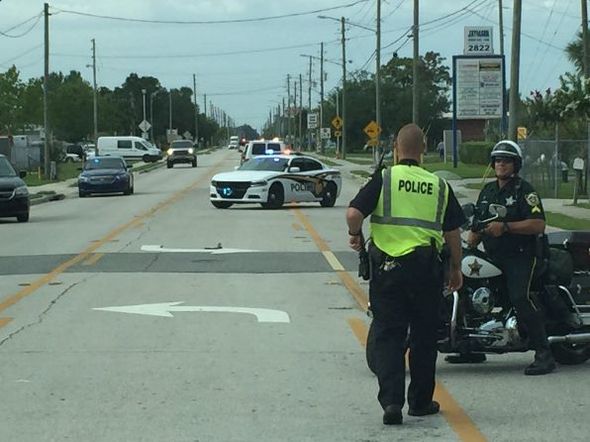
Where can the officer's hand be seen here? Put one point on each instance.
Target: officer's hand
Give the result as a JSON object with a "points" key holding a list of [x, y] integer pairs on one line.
{"points": [[473, 239], [495, 229], [355, 242], [455, 280]]}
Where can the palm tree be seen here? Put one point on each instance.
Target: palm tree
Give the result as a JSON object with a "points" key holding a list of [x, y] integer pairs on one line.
{"points": [[575, 52]]}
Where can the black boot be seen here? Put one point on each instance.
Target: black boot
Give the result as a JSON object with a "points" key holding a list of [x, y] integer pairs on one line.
{"points": [[543, 363], [393, 415]]}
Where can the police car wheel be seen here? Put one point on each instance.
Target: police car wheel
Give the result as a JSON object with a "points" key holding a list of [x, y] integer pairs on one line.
{"points": [[276, 197], [329, 198], [221, 204]]}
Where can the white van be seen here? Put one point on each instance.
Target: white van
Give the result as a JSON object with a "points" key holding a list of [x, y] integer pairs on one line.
{"points": [[262, 147], [130, 148]]}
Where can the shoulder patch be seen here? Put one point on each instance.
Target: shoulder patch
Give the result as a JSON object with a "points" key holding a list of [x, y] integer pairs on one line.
{"points": [[532, 199]]}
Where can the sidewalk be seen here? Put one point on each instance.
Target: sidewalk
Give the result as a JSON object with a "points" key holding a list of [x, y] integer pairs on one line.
{"points": [[465, 194]]}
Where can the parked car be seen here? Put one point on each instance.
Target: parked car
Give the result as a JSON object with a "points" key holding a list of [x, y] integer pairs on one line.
{"points": [[105, 175], [181, 151], [14, 195], [74, 153], [130, 148]]}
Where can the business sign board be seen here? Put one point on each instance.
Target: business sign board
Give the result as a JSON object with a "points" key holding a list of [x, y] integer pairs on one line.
{"points": [[478, 87], [478, 40], [312, 121]]}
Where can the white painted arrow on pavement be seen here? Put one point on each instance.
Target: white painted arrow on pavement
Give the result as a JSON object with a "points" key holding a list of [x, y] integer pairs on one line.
{"points": [[166, 308], [220, 251]]}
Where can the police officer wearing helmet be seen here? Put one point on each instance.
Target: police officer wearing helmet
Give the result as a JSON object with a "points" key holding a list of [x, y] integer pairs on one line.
{"points": [[511, 243], [412, 213]]}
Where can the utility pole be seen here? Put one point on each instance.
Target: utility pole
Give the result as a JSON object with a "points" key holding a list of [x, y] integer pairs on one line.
{"points": [[300, 107], [205, 104], [501, 17], [309, 85], [288, 108], [95, 104], [585, 38], [514, 70], [196, 109], [322, 92], [170, 111], [343, 147], [415, 82], [378, 73], [46, 162], [283, 120]]}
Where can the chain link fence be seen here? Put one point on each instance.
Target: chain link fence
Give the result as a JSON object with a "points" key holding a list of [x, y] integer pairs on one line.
{"points": [[548, 166]]}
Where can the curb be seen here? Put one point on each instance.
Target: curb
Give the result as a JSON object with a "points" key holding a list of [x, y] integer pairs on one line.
{"points": [[46, 198]]}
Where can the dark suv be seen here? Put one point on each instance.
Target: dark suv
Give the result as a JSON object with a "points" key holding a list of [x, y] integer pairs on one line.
{"points": [[14, 195], [181, 151]]}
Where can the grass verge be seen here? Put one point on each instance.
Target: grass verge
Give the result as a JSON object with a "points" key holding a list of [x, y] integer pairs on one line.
{"points": [[566, 222]]}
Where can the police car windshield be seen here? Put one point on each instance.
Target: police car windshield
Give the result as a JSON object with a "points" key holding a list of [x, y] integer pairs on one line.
{"points": [[6, 168], [274, 164], [104, 163]]}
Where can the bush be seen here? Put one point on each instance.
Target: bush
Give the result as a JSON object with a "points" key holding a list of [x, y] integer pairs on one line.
{"points": [[475, 152]]}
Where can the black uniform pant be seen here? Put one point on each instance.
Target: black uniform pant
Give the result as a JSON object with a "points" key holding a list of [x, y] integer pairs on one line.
{"points": [[518, 272], [408, 294]]}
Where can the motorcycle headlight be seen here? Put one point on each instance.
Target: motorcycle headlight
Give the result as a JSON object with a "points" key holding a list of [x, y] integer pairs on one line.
{"points": [[258, 183], [21, 191]]}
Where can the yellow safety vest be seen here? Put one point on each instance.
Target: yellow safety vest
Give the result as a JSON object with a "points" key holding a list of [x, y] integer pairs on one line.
{"points": [[410, 210]]}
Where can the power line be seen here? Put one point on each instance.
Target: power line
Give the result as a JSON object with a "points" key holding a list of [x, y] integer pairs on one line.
{"points": [[211, 22], [28, 51], [207, 54], [38, 17]]}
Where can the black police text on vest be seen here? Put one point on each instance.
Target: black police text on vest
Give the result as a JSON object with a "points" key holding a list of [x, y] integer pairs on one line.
{"points": [[416, 187]]}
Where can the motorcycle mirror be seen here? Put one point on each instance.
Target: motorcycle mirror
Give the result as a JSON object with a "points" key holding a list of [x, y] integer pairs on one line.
{"points": [[497, 210], [468, 209]]}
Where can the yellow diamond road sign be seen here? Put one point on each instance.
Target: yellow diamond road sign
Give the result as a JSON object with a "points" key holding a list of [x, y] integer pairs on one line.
{"points": [[521, 133], [372, 129], [337, 122]]}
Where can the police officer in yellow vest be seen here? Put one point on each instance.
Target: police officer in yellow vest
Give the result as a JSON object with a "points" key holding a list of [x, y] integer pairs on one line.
{"points": [[412, 213]]}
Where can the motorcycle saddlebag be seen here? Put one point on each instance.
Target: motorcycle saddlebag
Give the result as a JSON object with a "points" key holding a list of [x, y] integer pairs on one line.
{"points": [[577, 243]]}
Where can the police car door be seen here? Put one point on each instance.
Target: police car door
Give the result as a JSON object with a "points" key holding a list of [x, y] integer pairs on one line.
{"points": [[295, 184]]}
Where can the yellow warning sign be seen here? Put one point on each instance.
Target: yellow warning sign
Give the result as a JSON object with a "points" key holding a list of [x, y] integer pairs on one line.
{"points": [[337, 122], [372, 129], [337, 133], [521, 133]]}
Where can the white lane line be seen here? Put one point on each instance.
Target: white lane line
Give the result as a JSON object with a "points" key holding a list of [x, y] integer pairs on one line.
{"points": [[220, 251], [333, 261]]}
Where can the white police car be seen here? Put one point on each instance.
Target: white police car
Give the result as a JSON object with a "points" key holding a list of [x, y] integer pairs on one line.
{"points": [[275, 180]]}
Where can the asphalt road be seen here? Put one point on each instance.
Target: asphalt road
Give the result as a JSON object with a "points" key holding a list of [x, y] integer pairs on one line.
{"points": [[130, 318]]}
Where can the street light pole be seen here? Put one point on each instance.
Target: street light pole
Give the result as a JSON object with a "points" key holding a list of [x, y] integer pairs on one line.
{"points": [[95, 105]]}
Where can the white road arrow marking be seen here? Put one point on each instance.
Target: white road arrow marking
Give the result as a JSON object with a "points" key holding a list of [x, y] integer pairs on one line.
{"points": [[222, 251], [166, 308]]}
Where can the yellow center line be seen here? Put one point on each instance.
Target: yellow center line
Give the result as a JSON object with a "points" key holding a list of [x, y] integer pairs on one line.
{"points": [[93, 259], [458, 420], [86, 253]]}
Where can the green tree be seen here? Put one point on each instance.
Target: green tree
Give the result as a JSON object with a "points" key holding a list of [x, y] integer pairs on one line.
{"points": [[11, 89], [575, 52]]}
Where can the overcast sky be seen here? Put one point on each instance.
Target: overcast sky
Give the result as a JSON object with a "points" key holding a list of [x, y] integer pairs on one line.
{"points": [[243, 67]]}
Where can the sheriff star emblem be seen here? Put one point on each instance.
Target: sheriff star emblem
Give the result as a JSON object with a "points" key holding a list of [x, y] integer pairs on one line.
{"points": [[510, 201], [474, 268]]}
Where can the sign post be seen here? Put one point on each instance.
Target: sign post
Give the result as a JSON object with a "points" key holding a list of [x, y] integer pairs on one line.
{"points": [[478, 90]]}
